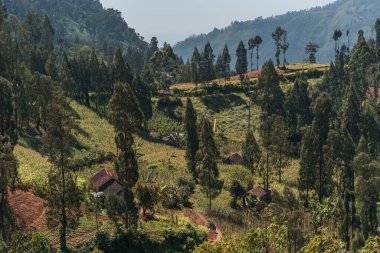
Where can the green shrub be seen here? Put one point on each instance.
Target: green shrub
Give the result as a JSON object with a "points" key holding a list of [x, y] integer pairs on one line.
{"points": [[30, 243]]}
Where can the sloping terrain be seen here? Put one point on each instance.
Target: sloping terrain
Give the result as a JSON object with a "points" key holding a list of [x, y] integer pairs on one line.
{"points": [[315, 25], [84, 21], [29, 209]]}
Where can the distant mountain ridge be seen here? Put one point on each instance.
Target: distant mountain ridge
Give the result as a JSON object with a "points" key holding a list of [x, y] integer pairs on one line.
{"points": [[82, 20], [315, 25]]}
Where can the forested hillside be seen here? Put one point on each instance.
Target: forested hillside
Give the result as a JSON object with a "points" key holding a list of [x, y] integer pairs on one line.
{"points": [[99, 154], [316, 25], [84, 22]]}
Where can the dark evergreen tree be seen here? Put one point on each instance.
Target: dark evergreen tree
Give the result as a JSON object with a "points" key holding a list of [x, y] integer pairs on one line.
{"points": [[241, 61], [195, 67], [66, 76], [208, 156], [307, 173], [153, 47], [192, 141], [267, 141], [321, 125], [251, 153], [126, 117], [63, 195], [284, 46], [268, 93], [311, 49], [366, 190], [257, 42], [8, 178], [336, 36], [377, 28], [297, 109], [280, 39], [6, 109], [47, 34], [3, 12], [95, 76], [121, 72], [143, 95], [237, 191], [207, 71], [280, 146], [251, 47], [225, 64], [351, 114]]}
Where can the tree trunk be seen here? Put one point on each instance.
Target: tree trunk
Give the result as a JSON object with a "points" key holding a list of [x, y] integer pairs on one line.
{"points": [[125, 186], [267, 173], [249, 114], [320, 170], [2, 192], [210, 202], [280, 168], [258, 57], [63, 203], [251, 60], [307, 191]]}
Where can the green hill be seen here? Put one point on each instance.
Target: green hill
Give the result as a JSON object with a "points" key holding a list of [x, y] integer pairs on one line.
{"points": [[84, 21], [315, 25]]}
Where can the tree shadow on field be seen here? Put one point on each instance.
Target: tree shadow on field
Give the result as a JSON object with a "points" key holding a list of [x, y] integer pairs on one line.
{"points": [[220, 102]]}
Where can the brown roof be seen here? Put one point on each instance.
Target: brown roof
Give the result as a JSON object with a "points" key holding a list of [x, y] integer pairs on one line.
{"points": [[233, 159], [236, 158], [102, 177], [114, 188], [258, 192]]}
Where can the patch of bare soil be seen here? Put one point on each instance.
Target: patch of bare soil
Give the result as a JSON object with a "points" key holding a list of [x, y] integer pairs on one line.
{"points": [[30, 210]]}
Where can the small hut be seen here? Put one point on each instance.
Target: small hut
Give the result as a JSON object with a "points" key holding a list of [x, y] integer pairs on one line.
{"points": [[260, 197], [106, 181], [233, 159]]}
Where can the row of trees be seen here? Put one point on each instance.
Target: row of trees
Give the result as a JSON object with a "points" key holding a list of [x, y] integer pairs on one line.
{"points": [[34, 77], [201, 64], [202, 154], [333, 128]]}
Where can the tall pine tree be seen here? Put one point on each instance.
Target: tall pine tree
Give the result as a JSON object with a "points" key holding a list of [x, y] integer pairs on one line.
{"points": [[192, 140], [208, 155], [241, 61], [126, 117], [63, 195]]}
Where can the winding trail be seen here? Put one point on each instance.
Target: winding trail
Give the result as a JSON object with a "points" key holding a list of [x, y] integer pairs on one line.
{"points": [[199, 219]]}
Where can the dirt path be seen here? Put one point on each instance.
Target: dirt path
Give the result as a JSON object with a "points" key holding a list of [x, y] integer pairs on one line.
{"points": [[200, 220]]}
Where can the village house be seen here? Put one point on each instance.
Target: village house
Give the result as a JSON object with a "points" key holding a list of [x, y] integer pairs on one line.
{"points": [[260, 196], [106, 181], [233, 159]]}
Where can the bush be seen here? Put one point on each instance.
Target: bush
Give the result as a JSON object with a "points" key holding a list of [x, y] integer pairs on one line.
{"points": [[171, 107], [176, 197], [134, 242], [29, 243], [103, 241], [184, 240], [148, 195]]}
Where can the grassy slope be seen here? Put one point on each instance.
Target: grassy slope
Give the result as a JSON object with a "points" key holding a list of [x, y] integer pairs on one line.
{"points": [[97, 134]]}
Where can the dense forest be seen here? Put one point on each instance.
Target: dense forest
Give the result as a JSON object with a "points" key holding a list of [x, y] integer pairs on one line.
{"points": [[85, 22], [139, 151]]}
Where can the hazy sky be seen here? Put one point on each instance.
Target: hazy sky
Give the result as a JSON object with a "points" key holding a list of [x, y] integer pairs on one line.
{"points": [[175, 20]]}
